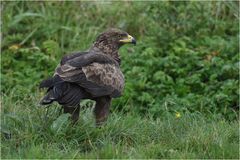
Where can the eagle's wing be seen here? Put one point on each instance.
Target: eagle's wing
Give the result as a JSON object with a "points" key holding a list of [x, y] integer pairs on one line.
{"points": [[97, 73], [71, 56]]}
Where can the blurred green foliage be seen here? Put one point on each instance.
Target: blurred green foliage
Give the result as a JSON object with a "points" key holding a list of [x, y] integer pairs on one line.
{"points": [[186, 59]]}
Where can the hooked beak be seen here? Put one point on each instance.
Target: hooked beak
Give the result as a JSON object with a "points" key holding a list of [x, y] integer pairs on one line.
{"points": [[128, 39]]}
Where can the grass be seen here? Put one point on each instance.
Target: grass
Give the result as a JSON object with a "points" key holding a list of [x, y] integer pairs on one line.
{"points": [[33, 132]]}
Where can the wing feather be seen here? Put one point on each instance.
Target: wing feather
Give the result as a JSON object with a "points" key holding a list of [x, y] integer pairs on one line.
{"points": [[99, 74]]}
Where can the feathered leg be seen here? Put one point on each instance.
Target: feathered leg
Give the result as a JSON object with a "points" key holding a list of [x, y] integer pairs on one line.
{"points": [[101, 110], [74, 111]]}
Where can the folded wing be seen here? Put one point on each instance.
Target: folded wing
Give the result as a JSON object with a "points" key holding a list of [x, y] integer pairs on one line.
{"points": [[97, 73]]}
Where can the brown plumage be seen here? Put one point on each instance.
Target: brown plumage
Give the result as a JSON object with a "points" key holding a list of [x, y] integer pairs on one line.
{"points": [[94, 74]]}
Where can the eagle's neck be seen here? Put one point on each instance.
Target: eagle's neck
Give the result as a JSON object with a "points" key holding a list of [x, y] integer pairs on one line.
{"points": [[110, 50]]}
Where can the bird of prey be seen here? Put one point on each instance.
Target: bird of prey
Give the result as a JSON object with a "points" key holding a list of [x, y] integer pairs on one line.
{"points": [[94, 74]]}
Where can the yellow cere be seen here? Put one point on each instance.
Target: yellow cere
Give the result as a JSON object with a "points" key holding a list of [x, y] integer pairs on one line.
{"points": [[127, 40]]}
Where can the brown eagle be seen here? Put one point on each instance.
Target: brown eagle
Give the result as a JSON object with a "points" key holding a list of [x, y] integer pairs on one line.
{"points": [[94, 74]]}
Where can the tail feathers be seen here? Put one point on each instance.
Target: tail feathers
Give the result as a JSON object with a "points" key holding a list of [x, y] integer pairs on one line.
{"points": [[54, 93], [48, 99], [50, 82], [47, 83], [65, 94], [45, 101]]}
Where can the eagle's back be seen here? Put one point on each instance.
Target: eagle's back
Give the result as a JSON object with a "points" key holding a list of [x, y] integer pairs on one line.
{"points": [[99, 78]]}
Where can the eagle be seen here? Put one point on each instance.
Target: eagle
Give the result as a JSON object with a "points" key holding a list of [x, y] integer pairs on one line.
{"points": [[94, 74]]}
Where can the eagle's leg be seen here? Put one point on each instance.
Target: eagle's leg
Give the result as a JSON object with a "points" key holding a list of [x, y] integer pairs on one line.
{"points": [[101, 110], [74, 111]]}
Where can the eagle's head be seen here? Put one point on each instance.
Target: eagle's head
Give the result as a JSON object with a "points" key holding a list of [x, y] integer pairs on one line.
{"points": [[115, 37], [110, 41]]}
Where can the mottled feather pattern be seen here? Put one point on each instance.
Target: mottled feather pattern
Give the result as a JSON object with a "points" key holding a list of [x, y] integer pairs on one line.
{"points": [[105, 74], [97, 78], [102, 76], [67, 74], [67, 67]]}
